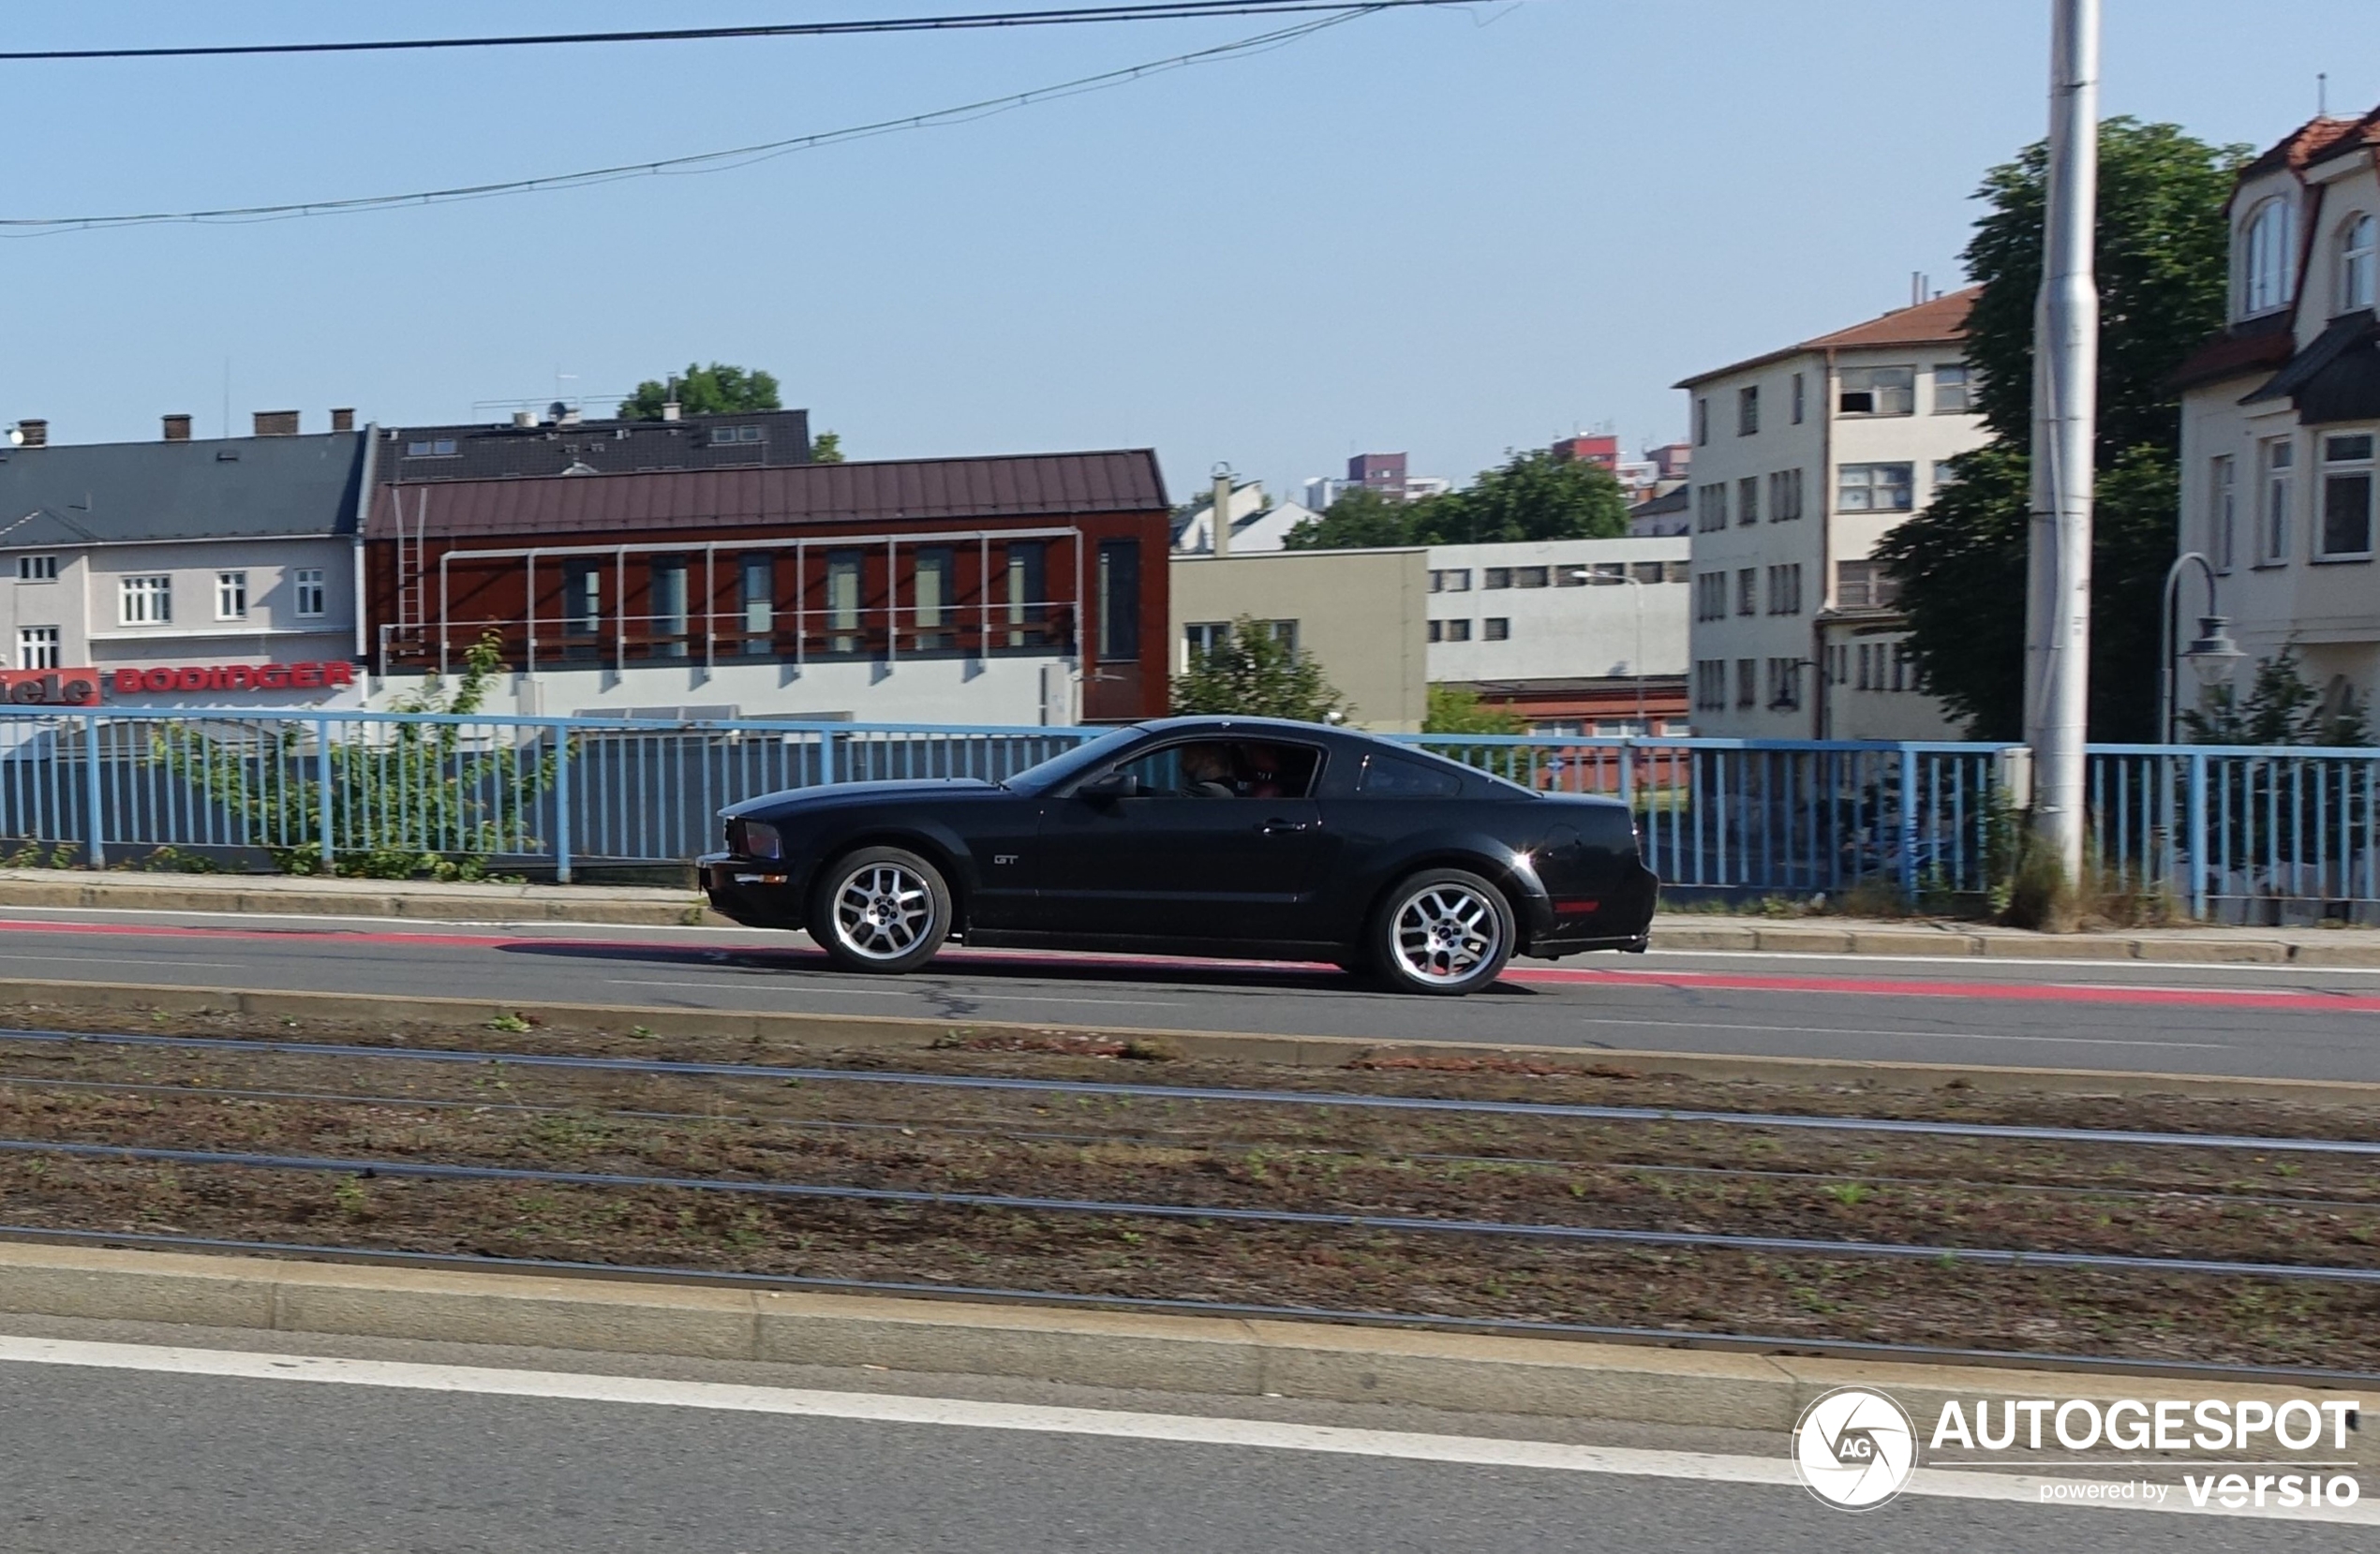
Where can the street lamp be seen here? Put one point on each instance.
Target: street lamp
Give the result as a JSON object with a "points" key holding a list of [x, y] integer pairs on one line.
{"points": [[1636, 665], [2211, 654]]}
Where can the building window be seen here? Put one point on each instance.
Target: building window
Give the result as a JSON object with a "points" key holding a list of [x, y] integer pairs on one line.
{"points": [[2265, 246], [1784, 496], [582, 601], [1710, 685], [1496, 577], [1646, 572], [1747, 686], [144, 601], [436, 448], [36, 647], [1784, 683], [1801, 398], [2358, 260], [2346, 496], [1950, 389], [721, 436], [929, 589], [1748, 591], [1710, 508], [2222, 508], [1201, 638], [1875, 487], [1702, 420], [1878, 392], [1676, 571], [1710, 597], [36, 569], [1495, 628], [1028, 566], [1904, 666], [1747, 411], [1864, 586], [1785, 589], [1119, 599], [2279, 459], [756, 598], [842, 600], [1451, 580], [1530, 577], [666, 606], [231, 596], [1457, 630], [306, 585], [1747, 500]]}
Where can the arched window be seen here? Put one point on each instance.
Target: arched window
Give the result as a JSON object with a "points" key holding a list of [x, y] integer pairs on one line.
{"points": [[2358, 260], [2265, 258]]}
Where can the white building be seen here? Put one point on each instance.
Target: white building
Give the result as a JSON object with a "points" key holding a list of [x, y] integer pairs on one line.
{"points": [[1803, 460], [181, 572], [2280, 414], [1257, 523]]}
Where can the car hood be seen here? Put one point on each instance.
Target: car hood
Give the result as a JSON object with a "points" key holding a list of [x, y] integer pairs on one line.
{"points": [[836, 794]]}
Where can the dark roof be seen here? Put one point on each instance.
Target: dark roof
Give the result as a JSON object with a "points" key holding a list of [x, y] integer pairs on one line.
{"points": [[75, 494], [1678, 500], [2336, 378], [1942, 321], [1027, 485], [2255, 345], [478, 453]]}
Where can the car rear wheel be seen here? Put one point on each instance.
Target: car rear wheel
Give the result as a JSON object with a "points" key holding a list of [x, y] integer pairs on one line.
{"points": [[881, 908], [1444, 930]]}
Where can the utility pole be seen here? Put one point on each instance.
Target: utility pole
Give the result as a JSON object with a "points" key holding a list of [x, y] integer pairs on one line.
{"points": [[2066, 420]]}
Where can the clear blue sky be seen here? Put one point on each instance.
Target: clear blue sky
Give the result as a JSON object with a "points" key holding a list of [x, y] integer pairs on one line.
{"points": [[1451, 232]]}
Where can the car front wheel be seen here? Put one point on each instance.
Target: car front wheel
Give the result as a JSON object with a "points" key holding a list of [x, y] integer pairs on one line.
{"points": [[1444, 930], [881, 908]]}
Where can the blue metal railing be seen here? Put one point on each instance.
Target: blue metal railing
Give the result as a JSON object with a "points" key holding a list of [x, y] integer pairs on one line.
{"points": [[2240, 834]]}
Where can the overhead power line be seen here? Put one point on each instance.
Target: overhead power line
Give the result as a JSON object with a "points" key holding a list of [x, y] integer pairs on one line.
{"points": [[1156, 10], [712, 161]]}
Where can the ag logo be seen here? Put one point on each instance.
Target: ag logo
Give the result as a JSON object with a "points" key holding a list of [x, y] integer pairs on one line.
{"points": [[1854, 1449]]}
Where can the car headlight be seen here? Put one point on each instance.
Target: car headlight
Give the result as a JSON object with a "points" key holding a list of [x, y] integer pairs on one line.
{"points": [[755, 839]]}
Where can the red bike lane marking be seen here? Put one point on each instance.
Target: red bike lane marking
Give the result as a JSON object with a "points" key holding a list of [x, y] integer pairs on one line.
{"points": [[1724, 982]]}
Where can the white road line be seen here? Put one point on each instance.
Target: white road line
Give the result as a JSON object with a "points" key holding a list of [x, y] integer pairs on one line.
{"points": [[2226, 967], [963, 1414], [1928, 1035]]}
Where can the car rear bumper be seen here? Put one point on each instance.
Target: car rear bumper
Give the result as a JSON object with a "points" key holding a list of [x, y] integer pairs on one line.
{"points": [[760, 894], [1619, 919]]}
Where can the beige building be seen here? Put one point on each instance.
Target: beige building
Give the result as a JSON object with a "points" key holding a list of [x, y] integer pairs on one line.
{"points": [[1803, 459], [2281, 415], [1362, 614]]}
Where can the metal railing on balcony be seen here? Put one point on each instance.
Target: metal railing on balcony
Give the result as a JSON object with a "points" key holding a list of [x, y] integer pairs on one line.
{"points": [[1044, 629]]}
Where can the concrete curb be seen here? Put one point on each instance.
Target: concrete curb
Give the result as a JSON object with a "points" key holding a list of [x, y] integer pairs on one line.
{"points": [[899, 1033], [629, 905], [1215, 1356]]}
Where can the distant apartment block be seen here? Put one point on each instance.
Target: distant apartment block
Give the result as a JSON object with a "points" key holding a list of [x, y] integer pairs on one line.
{"points": [[1384, 473], [1802, 460]]}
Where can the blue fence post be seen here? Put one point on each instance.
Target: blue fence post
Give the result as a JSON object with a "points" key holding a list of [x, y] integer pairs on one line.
{"points": [[563, 805], [323, 789], [2197, 822], [95, 829], [825, 756], [1907, 823]]}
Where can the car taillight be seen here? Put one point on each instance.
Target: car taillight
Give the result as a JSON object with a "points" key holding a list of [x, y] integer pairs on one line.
{"points": [[754, 839]]}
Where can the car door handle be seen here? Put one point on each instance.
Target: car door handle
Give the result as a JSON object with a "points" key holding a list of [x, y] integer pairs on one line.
{"points": [[1276, 826]]}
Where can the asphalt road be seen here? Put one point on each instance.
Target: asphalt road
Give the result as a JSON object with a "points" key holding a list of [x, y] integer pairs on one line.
{"points": [[2261, 1021], [144, 1450]]}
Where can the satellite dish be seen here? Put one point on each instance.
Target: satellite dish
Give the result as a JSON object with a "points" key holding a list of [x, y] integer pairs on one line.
{"points": [[16, 437]]}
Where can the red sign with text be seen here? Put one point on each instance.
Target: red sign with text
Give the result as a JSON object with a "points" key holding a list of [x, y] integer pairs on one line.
{"points": [[51, 688], [310, 675]]}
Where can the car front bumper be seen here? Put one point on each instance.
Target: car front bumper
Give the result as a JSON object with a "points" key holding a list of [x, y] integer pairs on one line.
{"points": [[760, 894]]}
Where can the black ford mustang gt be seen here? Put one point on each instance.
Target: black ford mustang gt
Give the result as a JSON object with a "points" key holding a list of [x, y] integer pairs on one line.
{"points": [[1238, 836]]}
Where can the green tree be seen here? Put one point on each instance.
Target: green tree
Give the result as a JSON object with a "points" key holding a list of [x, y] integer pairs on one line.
{"points": [[2279, 708], [714, 391], [1256, 675], [1537, 494], [1359, 519], [1453, 709], [1960, 565], [826, 447]]}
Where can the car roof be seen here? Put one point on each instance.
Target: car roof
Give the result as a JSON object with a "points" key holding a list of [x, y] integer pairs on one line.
{"points": [[1287, 728]]}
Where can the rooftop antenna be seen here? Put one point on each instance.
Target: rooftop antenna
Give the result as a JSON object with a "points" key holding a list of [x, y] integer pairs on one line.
{"points": [[2322, 93]]}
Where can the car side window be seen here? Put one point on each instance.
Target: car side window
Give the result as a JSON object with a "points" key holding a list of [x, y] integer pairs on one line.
{"points": [[1392, 776], [1226, 769]]}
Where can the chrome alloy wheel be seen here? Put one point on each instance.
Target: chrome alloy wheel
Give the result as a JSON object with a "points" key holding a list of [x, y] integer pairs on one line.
{"points": [[882, 911], [1446, 934]]}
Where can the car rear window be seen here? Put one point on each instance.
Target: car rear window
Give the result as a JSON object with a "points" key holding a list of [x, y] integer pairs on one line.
{"points": [[1395, 777]]}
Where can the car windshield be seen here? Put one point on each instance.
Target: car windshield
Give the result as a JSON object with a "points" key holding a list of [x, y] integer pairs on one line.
{"points": [[1033, 778]]}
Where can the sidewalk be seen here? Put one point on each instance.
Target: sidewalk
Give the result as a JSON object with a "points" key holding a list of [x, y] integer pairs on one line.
{"points": [[256, 895]]}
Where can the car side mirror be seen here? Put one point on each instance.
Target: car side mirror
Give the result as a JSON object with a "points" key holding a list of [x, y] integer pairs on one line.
{"points": [[1110, 787]]}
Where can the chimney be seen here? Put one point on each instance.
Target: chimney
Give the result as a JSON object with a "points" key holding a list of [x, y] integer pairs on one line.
{"points": [[523, 419], [342, 420], [276, 424], [177, 428]]}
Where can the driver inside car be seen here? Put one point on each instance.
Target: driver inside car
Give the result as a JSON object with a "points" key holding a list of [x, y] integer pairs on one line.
{"points": [[1205, 773]]}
